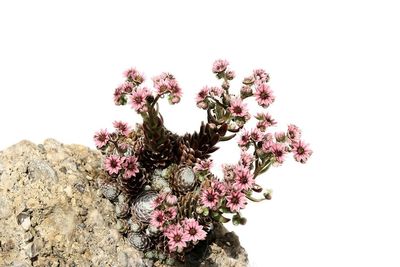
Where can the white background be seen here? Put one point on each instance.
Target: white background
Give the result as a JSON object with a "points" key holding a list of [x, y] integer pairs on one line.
{"points": [[334, 69]]}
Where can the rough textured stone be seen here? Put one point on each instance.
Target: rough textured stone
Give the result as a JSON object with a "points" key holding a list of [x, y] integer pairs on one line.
{"points": [[52, 213]]}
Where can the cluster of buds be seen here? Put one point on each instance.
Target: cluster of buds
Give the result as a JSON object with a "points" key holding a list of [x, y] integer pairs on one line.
{"points": [[168, 189]]}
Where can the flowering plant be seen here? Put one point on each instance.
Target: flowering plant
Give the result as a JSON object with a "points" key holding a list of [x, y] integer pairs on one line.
{"points": [[167, 199]]}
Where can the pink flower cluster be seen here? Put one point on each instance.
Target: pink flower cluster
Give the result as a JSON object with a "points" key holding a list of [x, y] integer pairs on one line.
{"points": [[166, 83], [164, 210], [207, 95], [134, 76], [133, 79], [139, 96], [230, 193], [103, 137], [182, 233], [203, 165], [179, 233], [239, 109], [279, 144], [127, 165]]}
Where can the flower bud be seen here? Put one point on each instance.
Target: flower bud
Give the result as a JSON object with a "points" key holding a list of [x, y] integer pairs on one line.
{"points": [[249, 80], [230, 74], [268, 195], [256, 188], [199, 210], [236, 219], [206, 212]]}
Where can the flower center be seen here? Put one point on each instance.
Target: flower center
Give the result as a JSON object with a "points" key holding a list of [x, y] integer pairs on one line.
{"points": [[210, 197], [237, 109], [244, 180], [264, 95], [235, 200], [138, 99], [192, 231], [177, 238], [113, 163]]}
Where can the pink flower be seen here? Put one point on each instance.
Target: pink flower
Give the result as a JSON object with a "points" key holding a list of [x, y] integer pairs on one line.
{"points": [[246, 159], [101, 138], [127, 87], [216, 91], [235, 201], [174, 88], [202, 94], [203, 166], [123, 147], [229, 173], [244, 179], [138, 78], [267, 143], [122, 127], [230, 74], [264, 95], [130, 166], [238, 108], [279, 151], [249, 80], [170, 213], [265, 117], [177, 238], [218, 187], [130, 73], [171, 199], [280, 137], [244, 138], [220, 65], [209, 198], [162, 86], [301, 151], [175, 92], [261, 75], [113, 164], [256, 135], [173, 99], [293, 133], [246, 91], [157, 218], [194, 231], [158, 200], [138, 99], [119, 96], [166, 83]]}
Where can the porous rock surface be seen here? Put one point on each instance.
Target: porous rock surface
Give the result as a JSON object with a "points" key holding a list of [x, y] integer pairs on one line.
{"points": [[52, 213]]}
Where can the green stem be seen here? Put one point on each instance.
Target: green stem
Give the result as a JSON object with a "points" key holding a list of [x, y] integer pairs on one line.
{"points": [[255, 199]]}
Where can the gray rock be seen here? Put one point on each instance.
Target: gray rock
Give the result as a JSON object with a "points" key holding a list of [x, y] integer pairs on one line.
{"points": [[30, 250], [52, 215], [41, 169]]}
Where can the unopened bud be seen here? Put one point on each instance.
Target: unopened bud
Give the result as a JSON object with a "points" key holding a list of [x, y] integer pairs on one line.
{"points": [[206, 212], [199, 210], [256, 188], [268, 195]]}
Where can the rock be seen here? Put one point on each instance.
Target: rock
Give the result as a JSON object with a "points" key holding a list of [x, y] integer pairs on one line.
{"points": [[30, 250], [26, 223], [53, 213]]}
